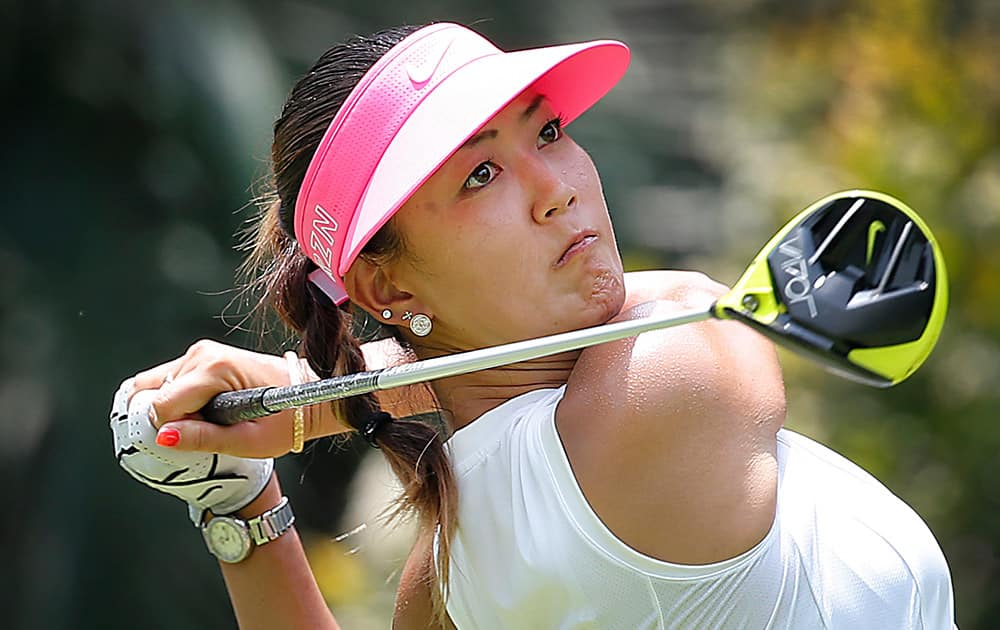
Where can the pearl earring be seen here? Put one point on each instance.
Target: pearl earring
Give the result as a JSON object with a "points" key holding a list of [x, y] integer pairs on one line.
{"points": [[386, 314]]}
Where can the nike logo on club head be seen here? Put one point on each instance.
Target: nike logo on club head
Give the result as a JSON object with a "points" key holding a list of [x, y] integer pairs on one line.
{"points": [[421, 73], [874, 228]]}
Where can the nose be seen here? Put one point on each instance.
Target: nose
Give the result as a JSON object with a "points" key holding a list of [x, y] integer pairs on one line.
{"points": [[553, 193]]}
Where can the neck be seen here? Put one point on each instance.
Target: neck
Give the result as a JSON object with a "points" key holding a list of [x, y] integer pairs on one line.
{"points": [[468, 396]]}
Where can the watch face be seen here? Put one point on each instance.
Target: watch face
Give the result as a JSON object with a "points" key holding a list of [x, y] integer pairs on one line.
{"points": [[226, 539]]}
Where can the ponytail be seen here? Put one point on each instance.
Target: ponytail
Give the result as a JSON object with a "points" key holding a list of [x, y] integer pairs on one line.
{"points": [[275, 278]]}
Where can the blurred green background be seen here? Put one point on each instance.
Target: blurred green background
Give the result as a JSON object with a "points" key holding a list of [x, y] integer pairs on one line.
{"points": [[136, 132]]}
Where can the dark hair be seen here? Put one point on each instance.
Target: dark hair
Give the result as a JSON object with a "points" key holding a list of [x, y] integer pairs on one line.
{"points": [[276, 270]]}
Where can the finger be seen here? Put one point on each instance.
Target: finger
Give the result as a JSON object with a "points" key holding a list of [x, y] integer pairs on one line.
{"points": [[153, 377], [184, 396], [268, 437]]}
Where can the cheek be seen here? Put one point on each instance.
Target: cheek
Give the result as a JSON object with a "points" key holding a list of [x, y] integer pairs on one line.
{"points": [[580, 169], [476, 245], [588, 181], [480, 256]]}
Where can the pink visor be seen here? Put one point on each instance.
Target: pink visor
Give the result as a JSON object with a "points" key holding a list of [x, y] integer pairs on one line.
{"points": [[410, 112]]}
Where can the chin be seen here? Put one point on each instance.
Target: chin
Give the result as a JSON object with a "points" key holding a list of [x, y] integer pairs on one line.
{"points": [[607, 295]]}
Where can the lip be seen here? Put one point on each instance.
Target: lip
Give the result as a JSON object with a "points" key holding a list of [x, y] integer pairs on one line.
{"points": [[581, 241]]}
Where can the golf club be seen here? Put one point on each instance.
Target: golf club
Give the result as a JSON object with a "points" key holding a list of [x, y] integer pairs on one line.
{"points": [[855, 282]]}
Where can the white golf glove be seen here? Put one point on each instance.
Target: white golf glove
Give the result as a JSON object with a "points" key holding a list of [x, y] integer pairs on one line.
{"points": [[206, 481]]}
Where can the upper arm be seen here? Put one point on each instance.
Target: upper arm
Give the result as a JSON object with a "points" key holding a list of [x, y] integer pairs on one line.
{"points": [[414, 608], [671, 434]]}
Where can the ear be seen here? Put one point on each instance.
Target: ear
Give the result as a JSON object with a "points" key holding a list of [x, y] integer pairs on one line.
{"points": [[372, 289]]}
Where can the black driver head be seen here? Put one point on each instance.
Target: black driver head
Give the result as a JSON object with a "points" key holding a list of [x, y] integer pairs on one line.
{"points": [[855, 281]]}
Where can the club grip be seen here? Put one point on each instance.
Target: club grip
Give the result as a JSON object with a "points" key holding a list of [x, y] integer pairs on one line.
{"points": [[232, 407]]}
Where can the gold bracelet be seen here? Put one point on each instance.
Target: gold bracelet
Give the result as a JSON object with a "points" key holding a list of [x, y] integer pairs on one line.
{"points": [[298, 421], [298, 431]]}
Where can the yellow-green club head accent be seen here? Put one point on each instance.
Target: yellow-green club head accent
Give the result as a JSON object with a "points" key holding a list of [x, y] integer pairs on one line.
{"points": [[855, 281]]}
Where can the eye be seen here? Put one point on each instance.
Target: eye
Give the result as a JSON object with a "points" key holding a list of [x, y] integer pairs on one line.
{"points": [[551, 131], [481, 175]]}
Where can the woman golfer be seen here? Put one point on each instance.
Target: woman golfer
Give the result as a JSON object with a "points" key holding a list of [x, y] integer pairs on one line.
{"points": [[423, 176]]}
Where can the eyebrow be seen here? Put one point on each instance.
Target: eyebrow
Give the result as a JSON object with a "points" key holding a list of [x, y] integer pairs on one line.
{"points": [[532, 107], [492, 133]]}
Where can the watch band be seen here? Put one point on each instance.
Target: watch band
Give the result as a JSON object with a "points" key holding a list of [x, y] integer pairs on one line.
{"points": [[271, 524]]}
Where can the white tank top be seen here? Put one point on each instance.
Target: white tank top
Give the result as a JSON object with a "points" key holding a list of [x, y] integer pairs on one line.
{"points": [[528, 552]]}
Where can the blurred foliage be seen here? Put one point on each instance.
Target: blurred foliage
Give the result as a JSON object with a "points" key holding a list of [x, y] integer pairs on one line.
{"points": [[135, 132], [901, 96]]}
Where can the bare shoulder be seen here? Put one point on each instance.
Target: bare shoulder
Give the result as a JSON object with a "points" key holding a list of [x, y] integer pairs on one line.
{"points": [[671, 434], [414, 608], [689, 288]]}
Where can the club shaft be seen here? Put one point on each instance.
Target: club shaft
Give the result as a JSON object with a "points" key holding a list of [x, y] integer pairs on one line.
{"points": [[232, 407], [486, 358]]}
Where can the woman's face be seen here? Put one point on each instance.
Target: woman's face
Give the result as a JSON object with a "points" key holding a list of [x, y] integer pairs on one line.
{"points": [[511, 239]]}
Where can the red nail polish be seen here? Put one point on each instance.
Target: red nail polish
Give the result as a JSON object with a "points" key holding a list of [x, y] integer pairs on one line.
{"points": [[168, 436]]}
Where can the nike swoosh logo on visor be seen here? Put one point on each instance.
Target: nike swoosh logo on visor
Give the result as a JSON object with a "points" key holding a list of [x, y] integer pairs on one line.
{"points": [[420, 74]]}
